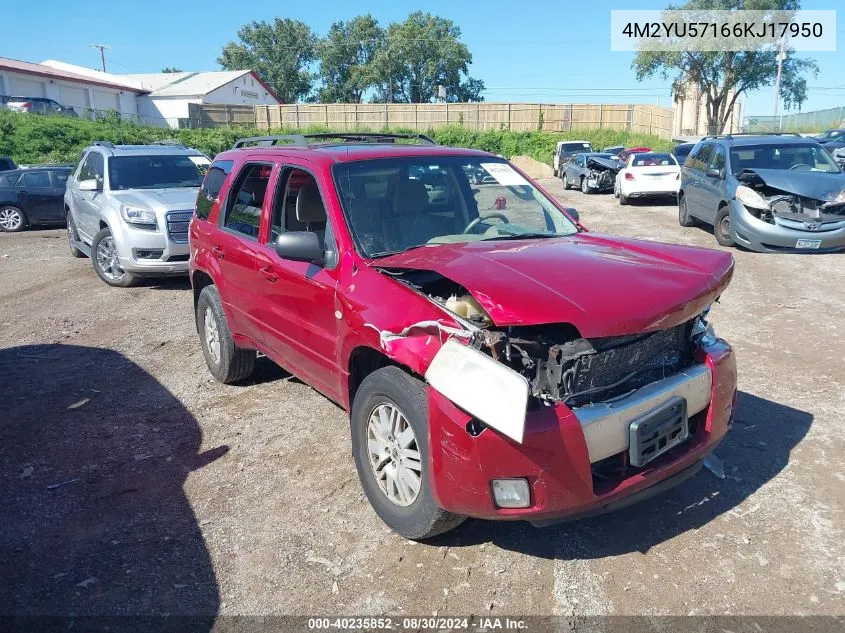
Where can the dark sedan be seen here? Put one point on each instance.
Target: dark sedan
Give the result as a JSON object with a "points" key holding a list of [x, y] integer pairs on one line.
{"points": [[32, 196]]}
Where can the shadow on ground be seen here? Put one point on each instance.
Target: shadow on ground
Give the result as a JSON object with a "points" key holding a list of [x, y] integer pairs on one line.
{"points": [[94, 521], [755, 450]]}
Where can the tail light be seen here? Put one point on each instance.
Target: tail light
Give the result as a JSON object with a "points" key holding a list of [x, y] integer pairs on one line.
{"points": [[629, 175], [26, 104]]}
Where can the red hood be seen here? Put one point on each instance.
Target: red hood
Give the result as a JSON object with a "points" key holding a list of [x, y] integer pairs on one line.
{"points": [[603, 285]]}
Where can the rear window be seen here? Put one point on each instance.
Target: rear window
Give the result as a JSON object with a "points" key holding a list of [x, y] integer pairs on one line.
{"points": [[570, 148], [653, 160], [211, 186]]}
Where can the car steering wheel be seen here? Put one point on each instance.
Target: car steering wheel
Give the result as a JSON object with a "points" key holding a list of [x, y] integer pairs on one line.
{"points": [[797, 165], [482, 218]]}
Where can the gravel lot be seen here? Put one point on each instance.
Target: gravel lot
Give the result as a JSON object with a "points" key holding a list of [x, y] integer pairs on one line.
{"points": [[133, 483]]}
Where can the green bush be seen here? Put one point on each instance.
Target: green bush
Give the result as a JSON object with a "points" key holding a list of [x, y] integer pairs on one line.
{"points": [[40, 139]]}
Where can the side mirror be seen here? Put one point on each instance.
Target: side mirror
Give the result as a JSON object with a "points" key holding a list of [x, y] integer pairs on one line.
{"points": [[714, 173], [299, 246], [573, 213], [89, 185]]}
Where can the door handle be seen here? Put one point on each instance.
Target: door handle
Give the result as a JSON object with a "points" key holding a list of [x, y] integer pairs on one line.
{"points": [[218, 252], [269, 275]]}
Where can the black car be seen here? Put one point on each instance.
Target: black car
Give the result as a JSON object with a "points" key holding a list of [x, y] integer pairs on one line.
{"points": [[32, 196], [7, 164], [681, 151], [37, 105]]}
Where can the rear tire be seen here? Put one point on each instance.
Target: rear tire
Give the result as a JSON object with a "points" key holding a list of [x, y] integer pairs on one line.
{"points": [[414, 515], [722, 228], [226, 362], [12, 219], [106, 264], [684, 217]]}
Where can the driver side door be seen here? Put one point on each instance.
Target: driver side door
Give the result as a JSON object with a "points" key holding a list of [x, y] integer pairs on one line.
{"points": [[296, 304]]}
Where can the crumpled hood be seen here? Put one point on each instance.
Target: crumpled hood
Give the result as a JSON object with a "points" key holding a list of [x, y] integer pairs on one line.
{"points": [[807, 184], [604, 163], [603, 285], [178, 198]]}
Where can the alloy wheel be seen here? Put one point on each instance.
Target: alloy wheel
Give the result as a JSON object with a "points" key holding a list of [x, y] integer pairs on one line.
{"points": [[394, 455], [212, 335], [10, 219], [107, 259]]}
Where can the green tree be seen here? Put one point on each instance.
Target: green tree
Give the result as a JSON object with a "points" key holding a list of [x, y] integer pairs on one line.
{"points": [[721, 76], [171, 69], [345, 58], [280, 53], [419, 54]]}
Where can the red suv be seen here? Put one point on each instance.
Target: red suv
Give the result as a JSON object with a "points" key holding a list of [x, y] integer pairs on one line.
{"points": [[497, 360]]}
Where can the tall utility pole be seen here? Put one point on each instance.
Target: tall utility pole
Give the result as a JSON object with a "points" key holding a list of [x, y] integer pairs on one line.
{"points": [[102, 48], [781, 56]]}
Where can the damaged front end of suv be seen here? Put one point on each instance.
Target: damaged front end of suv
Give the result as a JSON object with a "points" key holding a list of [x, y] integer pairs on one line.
{"points": [[512, 392], [601, 173]]}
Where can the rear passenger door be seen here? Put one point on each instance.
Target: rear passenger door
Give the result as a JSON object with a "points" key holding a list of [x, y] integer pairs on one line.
{"points": [[234, 243], [35, 194], [296, 303]]}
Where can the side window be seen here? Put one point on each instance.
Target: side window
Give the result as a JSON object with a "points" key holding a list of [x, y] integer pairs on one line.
{"points": [[243, 208], [92, 168], [702, 157], [36, 180], [718, 160], [84, 172], [59, 178], [297, 205], [211, 186]]}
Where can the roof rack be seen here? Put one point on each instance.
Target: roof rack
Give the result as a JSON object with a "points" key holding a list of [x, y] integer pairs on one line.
{"points": [[302, 140], [752, 134], [108, 144], [169, 144]]}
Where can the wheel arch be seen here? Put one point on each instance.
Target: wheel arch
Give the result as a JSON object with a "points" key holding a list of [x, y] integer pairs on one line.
{"points": [[363, 361], [199, 280]]}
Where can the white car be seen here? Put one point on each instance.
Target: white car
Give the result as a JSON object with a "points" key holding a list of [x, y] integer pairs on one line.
{"points": [[648, 174]]}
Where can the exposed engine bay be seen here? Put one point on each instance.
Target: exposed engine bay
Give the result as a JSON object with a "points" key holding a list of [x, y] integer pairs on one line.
{"points": [[790, 206], [601, 173], [559, 364]]}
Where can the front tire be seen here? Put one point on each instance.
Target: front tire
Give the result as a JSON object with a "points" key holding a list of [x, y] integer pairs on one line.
{"points": [[226, 362], [106, 262], [722, 228], [565, 180], [389, 421], [585, 188], [12, 219]]}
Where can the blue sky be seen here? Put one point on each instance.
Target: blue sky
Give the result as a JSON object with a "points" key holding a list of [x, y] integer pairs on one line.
{"points": [[540, 52]]}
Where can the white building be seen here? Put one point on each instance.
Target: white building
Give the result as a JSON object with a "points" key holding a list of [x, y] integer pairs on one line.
{"points": [[169, 94], [82, 91], [155, 99]]}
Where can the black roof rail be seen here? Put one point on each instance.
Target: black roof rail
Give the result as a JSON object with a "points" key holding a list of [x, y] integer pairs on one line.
{"points": [[108, 144], [752, 134], [371, 137], [297, 140], [302, 140]]}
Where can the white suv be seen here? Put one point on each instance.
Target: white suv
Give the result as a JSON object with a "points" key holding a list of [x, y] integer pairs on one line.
{"points": [[128, 208]]}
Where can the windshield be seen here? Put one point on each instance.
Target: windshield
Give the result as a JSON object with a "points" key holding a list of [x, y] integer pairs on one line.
{"points": [[394, 204], [797, 157], [153, 172]]}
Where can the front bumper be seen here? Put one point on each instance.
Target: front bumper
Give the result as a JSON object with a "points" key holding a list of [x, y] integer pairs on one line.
{"points": [[150, 252], [557, 458], [757, 235]]}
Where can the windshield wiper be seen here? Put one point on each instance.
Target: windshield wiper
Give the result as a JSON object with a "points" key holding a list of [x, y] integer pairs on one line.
{"points": [[381, 254], [521, 236]]}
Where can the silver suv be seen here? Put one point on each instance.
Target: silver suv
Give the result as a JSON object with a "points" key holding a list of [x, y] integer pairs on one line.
{"points": [[128, 209]]}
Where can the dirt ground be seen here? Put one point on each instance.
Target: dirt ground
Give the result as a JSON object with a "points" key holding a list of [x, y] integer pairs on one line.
{"points": [[131, 482]]}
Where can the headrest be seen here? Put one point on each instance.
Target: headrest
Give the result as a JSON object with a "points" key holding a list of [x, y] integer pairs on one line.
{"points": [[410, 196], [309, 204]]}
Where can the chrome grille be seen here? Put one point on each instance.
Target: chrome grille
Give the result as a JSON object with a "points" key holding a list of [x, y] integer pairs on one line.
{"points": [[177, 226]]}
